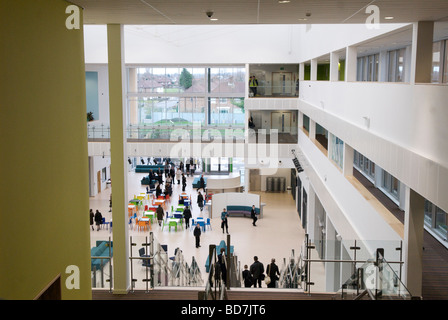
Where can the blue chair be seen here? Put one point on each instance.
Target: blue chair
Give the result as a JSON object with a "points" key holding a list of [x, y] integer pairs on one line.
{"points": [[208, 223], [145, 262]]}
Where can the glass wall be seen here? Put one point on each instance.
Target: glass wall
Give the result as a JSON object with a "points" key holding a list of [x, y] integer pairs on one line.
{"points": [[337, 150], [440, 62], [368, 68], [161, 96], [396, 63], [364, 165], [436, 220]]}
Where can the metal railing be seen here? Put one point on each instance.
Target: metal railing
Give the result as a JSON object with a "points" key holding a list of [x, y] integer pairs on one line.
{"points": [[160, 270], [99, 275], [292, 272], [215, 288]]}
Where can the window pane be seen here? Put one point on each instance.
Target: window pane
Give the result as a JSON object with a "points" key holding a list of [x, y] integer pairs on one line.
{"points": [[441, 221], [428, 213], [436, 71], [445, 64]]}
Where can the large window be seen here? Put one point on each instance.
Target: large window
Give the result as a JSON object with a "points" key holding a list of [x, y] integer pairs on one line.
{"points": [[396, 65], [436, 219], [440, 62], [364, 165], [337, 150], [184, 96], [390, 185], [368, 68]]}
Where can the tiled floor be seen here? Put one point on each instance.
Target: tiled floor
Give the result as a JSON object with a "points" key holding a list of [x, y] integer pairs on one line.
{"points": [[275, 236]]}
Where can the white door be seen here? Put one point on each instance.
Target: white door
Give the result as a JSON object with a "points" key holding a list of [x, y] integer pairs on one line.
{"points": [[281, 121], [281, 83]]}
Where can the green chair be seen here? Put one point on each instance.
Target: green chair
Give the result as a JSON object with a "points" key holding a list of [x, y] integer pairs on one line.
{"points": [[172, 224]]}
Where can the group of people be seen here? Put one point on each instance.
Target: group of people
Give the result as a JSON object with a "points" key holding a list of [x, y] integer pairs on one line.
{"points": [[254, 275], [96, 218]]}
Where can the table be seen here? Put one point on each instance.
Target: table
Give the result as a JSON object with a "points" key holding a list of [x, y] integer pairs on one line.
{"points": [[150, 215], [145, 223], [201, 222], [161, 202], [132, 208], [172, 222]]}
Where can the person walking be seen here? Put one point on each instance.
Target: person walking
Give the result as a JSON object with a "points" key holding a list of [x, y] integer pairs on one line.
{"points": [[253, 215], [187, 217], [224, 223], [257, 269], [273, 273], [247, 277], [92, 217], [197, 235], [160, 214], [98, 219], [200, 201]]}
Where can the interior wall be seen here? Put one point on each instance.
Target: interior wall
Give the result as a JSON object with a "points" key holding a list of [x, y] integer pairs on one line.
{"points": [[44, 127]]}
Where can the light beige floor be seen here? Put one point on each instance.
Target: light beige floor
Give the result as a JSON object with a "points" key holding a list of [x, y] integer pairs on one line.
{"points": [[275, 236]]}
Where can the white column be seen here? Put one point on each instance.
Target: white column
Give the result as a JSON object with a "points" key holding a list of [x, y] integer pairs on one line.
{"points": [[413, 241], [117, 85], [351, 64], [313, 75], [334, 66], [349, 153]]}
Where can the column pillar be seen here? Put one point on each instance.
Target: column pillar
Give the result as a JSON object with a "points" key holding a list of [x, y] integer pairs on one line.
{"points": [[115, 45], [334, 66], [349, 153], [351, 64], [413, 241], [421, 63], [133, 104], [313, 75]]}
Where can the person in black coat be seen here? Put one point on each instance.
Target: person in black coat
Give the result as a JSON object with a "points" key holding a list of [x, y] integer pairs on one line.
{"points": [[197, 235], [184, 181], [272, 272], [92, 217], [247, 277], [253, 215], [257, 269], [98, 219], [201, 183], [222, 264], [187, 217], [200, 201]]}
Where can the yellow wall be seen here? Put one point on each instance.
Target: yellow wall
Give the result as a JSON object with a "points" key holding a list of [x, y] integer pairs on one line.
{"points": [[44, 223]]}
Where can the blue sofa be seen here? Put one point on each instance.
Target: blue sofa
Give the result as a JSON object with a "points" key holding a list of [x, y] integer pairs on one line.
{"points": [[100, 250], [196, 182], [222, 244], [147, 167], [240, 210]]}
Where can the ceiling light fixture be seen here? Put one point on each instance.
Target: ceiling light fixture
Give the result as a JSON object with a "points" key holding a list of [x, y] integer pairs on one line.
{"points": [[388, 18], [283, 1]]}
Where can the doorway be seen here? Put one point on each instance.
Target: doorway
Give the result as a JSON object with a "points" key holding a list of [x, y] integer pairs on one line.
{"points": [[281, 121], [281, 83]]}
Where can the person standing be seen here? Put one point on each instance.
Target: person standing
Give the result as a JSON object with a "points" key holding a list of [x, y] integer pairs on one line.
{"points": [[92, 217], [257, 269], [253, 215], [224, 223], [98, 219], [160, 214], [272, 272], [253, 84], [222, 264], [187, 217], [187, 168], [201, 183], [247, 277], [200, 201], [197, 235], [184, 181], [178, 175]]}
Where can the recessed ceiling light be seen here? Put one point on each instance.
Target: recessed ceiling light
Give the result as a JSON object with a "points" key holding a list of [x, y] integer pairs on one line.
{"points": [[213, 19], [388, 18], [302, 19], [284, 1]]}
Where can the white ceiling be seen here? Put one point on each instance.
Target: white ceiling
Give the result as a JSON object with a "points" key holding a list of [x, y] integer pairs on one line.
{"points": [[189, 12]]}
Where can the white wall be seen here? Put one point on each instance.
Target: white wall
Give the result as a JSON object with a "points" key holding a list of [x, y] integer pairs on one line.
{"points": [[205, 44], [103, 92], [321, 39]]}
